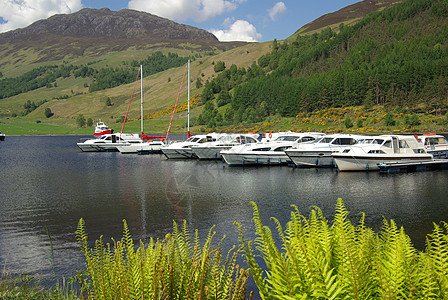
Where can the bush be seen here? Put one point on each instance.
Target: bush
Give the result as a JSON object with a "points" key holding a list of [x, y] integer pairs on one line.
{"points": [[220, 66], [48, 113], [175, 268], [81, 121], [318, 260], [389, 119], [359, 123], [348, 122]]}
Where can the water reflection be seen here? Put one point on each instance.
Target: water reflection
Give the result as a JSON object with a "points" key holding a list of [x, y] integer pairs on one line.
{"points": [[46, 182]]}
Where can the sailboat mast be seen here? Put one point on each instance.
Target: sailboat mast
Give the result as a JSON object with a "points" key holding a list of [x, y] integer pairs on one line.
{"points": [[188, 105]]}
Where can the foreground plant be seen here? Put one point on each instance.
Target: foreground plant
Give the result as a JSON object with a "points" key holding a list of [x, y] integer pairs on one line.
{"points": [[175, 268], [341, 261]]}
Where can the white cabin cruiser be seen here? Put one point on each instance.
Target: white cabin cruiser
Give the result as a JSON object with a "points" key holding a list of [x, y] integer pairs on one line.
{"points": [[108, 142], [384, 149], [319, 153], [212, 150], [144, 147], [183, 149], [270, 153], [435, 144]]}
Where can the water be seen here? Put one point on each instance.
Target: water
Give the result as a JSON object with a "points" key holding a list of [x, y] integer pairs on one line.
{"points": [[47, 183]]}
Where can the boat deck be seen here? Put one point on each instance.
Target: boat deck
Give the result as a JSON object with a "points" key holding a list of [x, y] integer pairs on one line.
{"points": [[435, 164]]}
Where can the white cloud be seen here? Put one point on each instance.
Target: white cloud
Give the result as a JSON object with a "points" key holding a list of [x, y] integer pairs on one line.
{"points": [[278, 9], [240, 30], [180, 10], [21, 13]]}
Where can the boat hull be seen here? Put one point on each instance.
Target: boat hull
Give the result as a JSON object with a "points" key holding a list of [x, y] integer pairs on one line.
{"points": [[311, 158], [347, 162], [240, 159], [209, 152], [140, 148], [178, 153]]}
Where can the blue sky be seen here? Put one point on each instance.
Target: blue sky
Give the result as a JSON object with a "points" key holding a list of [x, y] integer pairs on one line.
{"points": [[247, 20]]}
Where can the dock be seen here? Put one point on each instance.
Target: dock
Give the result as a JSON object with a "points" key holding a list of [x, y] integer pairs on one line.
{"points": [[436, 164]]}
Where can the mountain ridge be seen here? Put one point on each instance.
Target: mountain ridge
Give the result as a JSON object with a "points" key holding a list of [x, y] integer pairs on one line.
{"points": [[101, 30]]}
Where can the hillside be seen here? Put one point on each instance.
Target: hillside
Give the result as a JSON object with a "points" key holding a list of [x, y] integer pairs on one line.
{"points": [[347, 15], [395, 59]]}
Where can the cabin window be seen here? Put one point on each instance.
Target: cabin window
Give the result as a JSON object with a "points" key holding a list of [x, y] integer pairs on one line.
{"points": [[262, 149], [403, 144], [388, 144], [282, 148], [378, 141], [376, 151], [343, 141]]}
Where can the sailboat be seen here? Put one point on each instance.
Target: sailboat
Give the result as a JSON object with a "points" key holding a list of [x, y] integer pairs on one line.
{"points": [[148, 144], [184, 149]]}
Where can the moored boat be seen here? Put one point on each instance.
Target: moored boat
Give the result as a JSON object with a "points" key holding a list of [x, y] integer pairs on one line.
{"points": [[108, 142], [319, 153], [143, 147], [212, 150], [179, 150], [435, 144], [101, 129], [269, 153], [2, 136], [379, 150]]}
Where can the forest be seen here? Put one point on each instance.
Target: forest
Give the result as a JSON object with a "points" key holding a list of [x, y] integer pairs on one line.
{"points": [[393, 58]]}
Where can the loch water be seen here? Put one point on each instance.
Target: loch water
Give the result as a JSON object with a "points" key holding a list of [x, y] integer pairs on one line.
{"points": [[47, 184]]}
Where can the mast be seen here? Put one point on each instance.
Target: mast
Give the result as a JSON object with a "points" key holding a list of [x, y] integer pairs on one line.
{"points": [[188, 111], [141, 96]]}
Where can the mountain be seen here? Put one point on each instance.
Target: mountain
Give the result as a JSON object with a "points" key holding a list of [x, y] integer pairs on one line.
{"points": [[347, 15], [100, 31]]}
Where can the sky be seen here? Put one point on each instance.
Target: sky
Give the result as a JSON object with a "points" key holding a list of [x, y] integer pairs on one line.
{"points": [[228, 20]]}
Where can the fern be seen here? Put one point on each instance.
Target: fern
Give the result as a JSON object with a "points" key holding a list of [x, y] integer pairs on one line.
{"points": [[174, 268]]}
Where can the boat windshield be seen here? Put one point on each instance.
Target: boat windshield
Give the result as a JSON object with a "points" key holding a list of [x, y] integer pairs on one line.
{"points": [[286, 138], [325, 140]]}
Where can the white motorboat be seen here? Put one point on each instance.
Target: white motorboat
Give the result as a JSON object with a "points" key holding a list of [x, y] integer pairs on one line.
{"points": [[183, 149], [435, 144], [319, 152], [101, 129], [143, 147], [108, 142], [269, 153], [212, 150], [384, 149]]}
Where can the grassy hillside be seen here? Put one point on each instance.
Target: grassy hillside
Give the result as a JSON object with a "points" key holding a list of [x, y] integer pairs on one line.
{"points": [[70, 96]]}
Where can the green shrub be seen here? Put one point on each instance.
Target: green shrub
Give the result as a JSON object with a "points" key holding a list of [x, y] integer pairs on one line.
{"points": [[318, 260], [175, 268], [48, 112], [348, 122], [81, 121], [389, 119]]}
